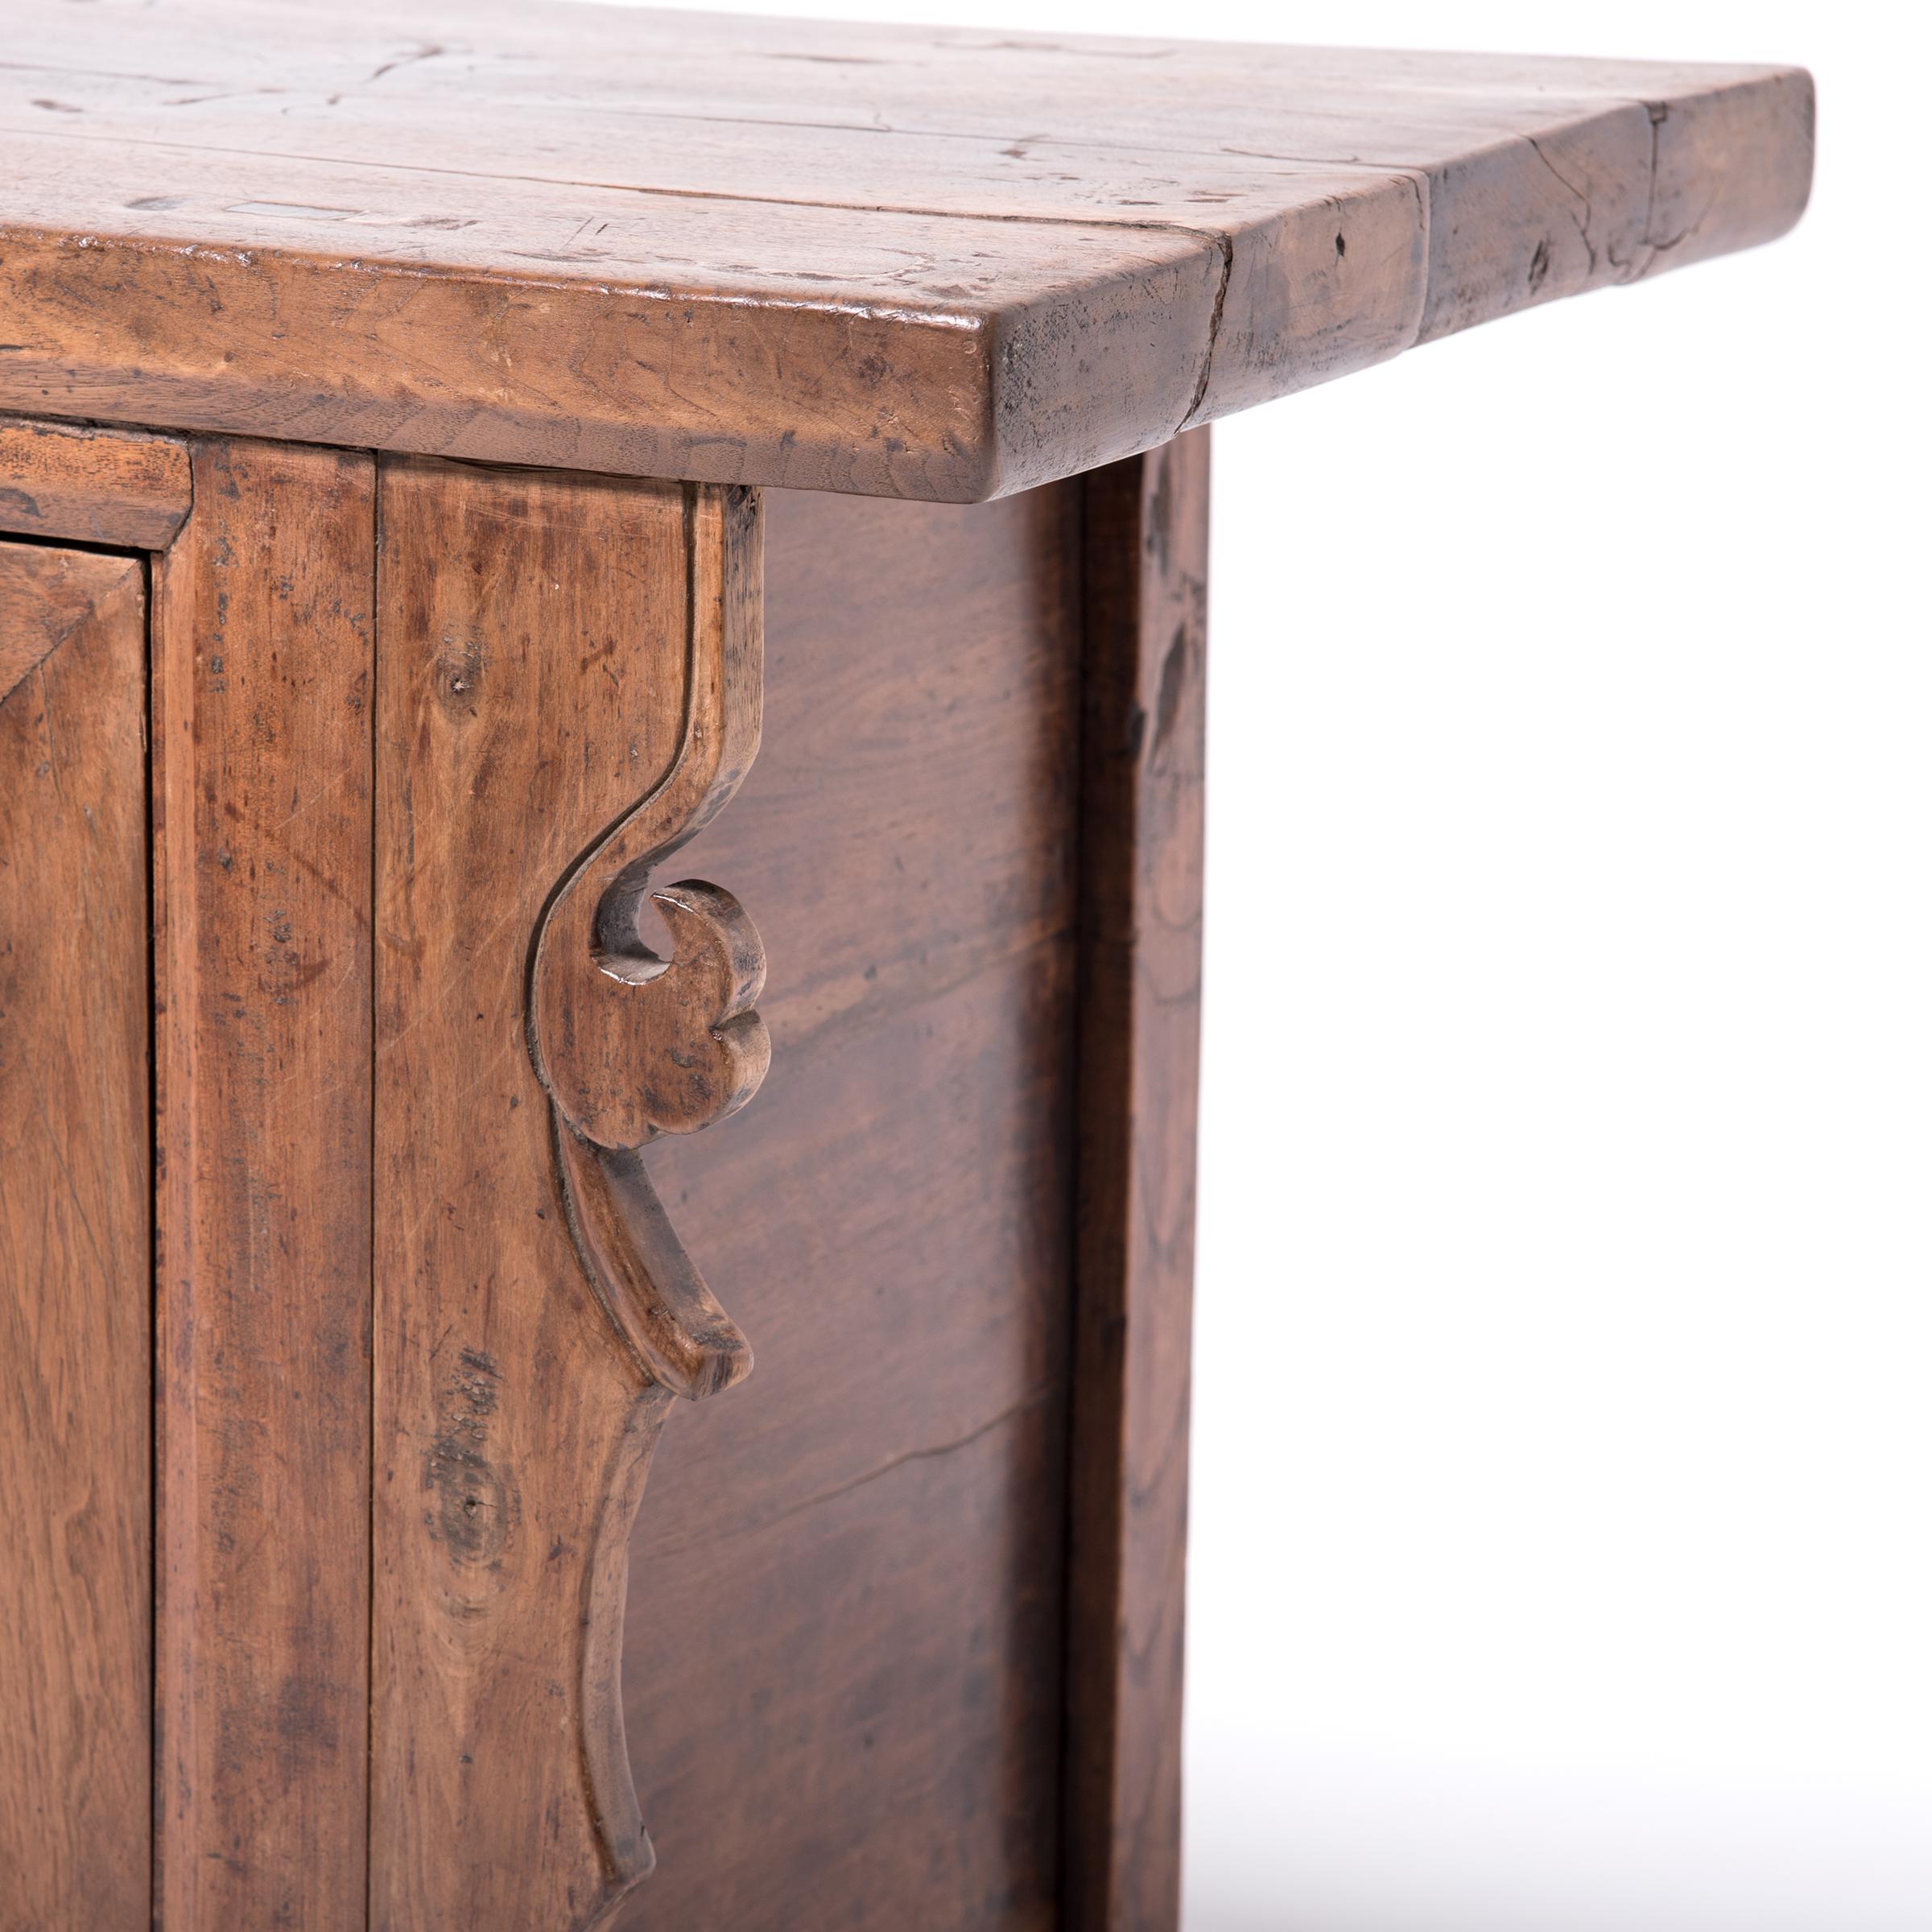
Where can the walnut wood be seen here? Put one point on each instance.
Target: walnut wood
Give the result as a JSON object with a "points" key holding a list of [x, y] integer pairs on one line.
{"points": [[1142, 754], [896, 260], [261, 663], [843, 1668], [569, 686], [896, 1643], [685, 1050], [93, 486], [75, 1582]]}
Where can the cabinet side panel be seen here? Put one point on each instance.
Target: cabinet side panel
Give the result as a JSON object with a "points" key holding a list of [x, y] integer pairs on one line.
{"points": [[842, 1664], [1146, 580], [75, 1288], [262, 768]]}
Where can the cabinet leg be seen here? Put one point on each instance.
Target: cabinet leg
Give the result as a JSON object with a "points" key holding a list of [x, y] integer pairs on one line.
{"points": [[1143, 733]]}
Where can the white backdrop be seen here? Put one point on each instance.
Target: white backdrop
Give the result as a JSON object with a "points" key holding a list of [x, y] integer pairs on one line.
{"points": [[1561, 1555]]}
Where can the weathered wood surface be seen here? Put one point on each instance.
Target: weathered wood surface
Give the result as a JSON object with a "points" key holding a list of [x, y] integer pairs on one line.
{"points": [[61, 480], [895, 261], [261, 663], [842, 1676], [74, 1335], [569, 678], [1143, 752]]}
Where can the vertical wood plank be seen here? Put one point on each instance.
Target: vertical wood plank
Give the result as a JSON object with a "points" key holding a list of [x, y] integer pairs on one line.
{"points": [[540, 673], [843, 1679], [261, 802], [75, 1713], [1143, 734]]}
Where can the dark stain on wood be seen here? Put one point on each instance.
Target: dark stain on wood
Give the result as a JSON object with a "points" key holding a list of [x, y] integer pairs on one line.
{"points": [[476, 1508]]}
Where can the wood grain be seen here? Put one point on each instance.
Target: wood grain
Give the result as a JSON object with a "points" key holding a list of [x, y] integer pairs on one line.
{"points": [[681, 1048], [1143, 751], [569, 678], [95, 485], [75, 1624], [843, 1669], [896, 260], [262, 649]]}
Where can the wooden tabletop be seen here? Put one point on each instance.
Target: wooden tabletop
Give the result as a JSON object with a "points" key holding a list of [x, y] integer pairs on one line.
{"points": [[895, 261]]}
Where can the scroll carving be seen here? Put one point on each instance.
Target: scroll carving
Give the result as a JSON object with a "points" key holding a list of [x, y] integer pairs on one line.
{"points": [[569, 689], [630, 1043]]}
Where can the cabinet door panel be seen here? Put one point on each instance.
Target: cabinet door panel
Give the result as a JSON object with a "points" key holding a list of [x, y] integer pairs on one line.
{"points": [[76, 1425]]}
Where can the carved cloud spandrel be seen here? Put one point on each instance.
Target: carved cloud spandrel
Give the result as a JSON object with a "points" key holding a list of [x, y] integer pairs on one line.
{"points": [[569, 689]]}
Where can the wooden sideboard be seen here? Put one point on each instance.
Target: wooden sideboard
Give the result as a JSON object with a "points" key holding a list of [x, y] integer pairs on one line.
{"points": [[454, 459]]}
